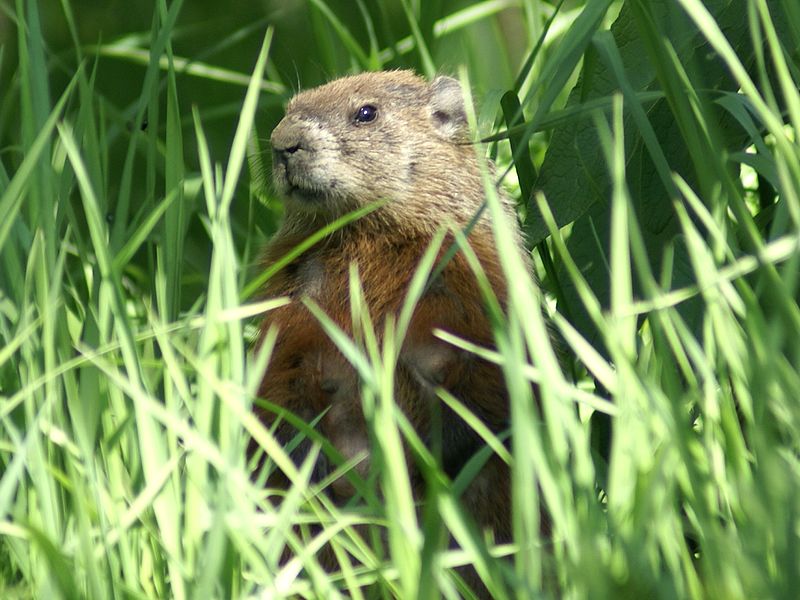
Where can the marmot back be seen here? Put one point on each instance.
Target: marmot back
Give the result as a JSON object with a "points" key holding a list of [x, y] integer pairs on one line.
{"points": [[387, 136]]}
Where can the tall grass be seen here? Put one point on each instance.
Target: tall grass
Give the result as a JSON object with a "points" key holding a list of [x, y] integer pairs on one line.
{"points": [[662, 195]]}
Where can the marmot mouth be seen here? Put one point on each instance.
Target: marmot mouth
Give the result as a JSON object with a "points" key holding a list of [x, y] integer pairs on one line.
{"points": [[305, 194], [306, 189]]}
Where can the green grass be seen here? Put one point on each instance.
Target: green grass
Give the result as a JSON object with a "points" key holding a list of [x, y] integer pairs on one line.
{"points": [[654, 146]]}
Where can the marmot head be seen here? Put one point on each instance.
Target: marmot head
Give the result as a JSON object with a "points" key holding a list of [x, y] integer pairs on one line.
{"points": [[379, 136]]}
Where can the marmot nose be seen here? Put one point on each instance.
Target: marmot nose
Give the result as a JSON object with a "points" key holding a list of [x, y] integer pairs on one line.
{"points": [[287, 138], [282, 154]]}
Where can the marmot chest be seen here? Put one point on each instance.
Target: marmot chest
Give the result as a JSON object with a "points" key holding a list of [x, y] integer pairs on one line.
{"points": [[325, 275]]}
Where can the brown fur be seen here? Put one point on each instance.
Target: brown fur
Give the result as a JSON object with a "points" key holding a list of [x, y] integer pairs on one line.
{"points": [[326, 163]]}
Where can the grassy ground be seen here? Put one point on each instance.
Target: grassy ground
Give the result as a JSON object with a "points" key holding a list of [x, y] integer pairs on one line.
{"points": [[655, 154]]}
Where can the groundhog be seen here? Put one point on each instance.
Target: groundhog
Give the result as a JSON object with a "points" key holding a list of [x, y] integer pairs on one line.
{"points": [[396, 138]]}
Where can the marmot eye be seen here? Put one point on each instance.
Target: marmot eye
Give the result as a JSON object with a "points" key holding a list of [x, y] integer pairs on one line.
{"points": [[366, 114]]}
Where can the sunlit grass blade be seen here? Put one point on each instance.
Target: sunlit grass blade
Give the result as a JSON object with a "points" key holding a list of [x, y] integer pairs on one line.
{"points": [[13, 195]]}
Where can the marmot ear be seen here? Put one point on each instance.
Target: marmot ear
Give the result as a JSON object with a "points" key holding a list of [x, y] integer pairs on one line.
{"points": [[447, 109]]}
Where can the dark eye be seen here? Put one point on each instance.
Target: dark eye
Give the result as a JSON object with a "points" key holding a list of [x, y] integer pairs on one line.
{"points": [[366, 114]]}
